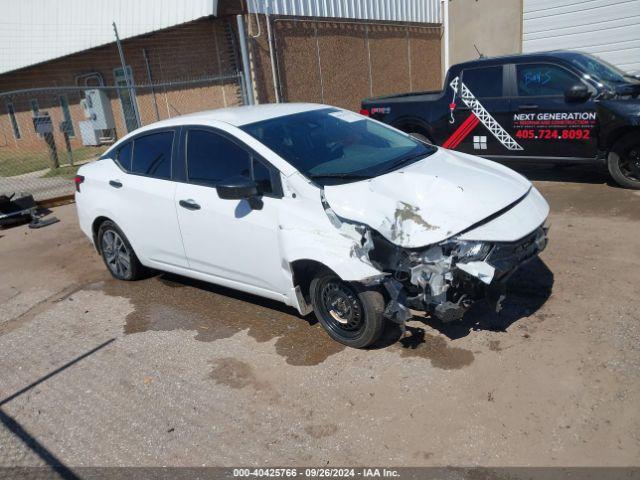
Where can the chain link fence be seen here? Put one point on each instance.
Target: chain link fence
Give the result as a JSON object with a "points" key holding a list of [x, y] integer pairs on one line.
{"points": [[47, 133]]}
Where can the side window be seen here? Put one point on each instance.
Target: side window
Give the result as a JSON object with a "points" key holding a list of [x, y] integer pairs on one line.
{"points": [[123, 156], [212, 158], [262, 176], [152, 155], [543, 79], [484, 82]]}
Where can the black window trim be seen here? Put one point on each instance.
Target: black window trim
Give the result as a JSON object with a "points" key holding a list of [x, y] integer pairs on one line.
{"points": [[514, 79], [276, 180], [113, 152], [504, 79]]}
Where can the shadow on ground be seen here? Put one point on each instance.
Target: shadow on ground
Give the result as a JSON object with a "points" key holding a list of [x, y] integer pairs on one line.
{"points": [[527, 291]]}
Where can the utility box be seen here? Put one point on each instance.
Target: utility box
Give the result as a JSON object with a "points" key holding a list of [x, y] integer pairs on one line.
{"points": [[97, 109], [89, 134], [42, 123]]}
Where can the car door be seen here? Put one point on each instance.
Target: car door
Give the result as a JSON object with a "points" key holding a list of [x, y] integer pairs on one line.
{"points": [[545, 122], [481, 110], [143, 197], [229, 239]]}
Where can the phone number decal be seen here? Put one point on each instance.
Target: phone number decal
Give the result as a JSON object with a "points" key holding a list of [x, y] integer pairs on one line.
{"points": [[547, 134]]}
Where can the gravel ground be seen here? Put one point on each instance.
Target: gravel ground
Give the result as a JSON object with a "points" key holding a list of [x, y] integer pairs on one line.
{"points": [[172, 372]]}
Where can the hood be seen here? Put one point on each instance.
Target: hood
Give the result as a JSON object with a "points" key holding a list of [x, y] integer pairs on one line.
{"points": [[430, 200], [626, 110]]}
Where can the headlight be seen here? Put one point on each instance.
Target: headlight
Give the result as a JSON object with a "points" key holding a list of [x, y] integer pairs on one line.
{"points": [[470, 251]]}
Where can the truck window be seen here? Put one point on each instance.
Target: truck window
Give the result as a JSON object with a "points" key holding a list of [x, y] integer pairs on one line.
{"points": [[543, 80], [484, 82]]}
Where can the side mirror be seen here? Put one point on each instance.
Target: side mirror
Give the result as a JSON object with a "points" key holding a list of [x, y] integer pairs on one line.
{"points": [[577, 93], [237, 188]]}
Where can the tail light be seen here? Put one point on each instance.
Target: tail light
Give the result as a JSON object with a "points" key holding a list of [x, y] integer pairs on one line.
{"points": [[365, 112], [79, 179]]}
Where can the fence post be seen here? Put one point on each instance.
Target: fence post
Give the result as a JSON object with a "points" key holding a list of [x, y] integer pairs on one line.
{"points": [[244, 53], [130, 87]]}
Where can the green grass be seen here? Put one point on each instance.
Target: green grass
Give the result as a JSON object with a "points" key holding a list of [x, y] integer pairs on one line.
{"points": [[16, 162]]}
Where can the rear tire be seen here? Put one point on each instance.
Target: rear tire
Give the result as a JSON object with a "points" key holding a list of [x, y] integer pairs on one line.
{"points": [[350, 314], [624, 161], [117, 253]]}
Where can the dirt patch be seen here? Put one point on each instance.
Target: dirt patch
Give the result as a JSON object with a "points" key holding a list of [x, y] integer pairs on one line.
{"points": [[234, 373], [320, 431], [168, 303]]}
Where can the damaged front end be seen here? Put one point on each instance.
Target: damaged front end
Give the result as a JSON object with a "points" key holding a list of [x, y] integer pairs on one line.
{"points": [[446, 279]]}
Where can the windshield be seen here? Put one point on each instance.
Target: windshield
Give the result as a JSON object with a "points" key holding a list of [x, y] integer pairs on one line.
{"points": [[335, 146], [599, 69]]}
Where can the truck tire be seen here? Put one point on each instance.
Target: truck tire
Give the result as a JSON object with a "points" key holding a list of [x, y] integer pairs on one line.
{"points": [[624, 161], [350, 315], [118, 255]]}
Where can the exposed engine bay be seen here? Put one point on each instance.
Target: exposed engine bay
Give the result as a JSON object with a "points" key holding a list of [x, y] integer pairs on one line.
{"points": [[444, 279]]}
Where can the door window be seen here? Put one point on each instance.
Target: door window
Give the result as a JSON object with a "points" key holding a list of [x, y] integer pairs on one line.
{"points": [[484, 82], [152, 155], [212, 158], [543, 80]]}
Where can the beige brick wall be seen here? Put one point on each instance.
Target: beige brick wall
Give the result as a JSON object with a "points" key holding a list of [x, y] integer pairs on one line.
{"points": [[356, 60]]}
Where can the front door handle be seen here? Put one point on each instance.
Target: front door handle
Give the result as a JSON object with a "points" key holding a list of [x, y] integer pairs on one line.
{"points": [[189, 204], [115, 183], [529, 106]]}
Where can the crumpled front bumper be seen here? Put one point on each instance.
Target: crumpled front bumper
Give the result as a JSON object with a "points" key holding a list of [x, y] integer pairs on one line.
{"points": [[448, 290]]}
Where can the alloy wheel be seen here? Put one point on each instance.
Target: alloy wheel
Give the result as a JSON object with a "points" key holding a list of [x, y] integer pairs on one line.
{"points": [[116, 254]]}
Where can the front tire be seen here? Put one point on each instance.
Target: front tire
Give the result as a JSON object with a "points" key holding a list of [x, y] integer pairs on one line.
{"points": [[624, 161], [117, 253], [352, 316]]}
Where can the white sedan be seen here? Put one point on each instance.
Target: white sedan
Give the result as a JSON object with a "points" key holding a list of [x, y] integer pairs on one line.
{"points": [[314, 206]]}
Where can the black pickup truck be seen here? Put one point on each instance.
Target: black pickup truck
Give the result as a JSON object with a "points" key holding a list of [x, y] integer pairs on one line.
{"points": [[553, 107]]}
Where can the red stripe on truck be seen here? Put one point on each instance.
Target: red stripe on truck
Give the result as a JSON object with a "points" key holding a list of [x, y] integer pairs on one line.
{"points": [[461, 132]]}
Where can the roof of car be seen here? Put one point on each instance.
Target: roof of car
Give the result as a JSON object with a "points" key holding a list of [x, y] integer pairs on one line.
{"points": [[239, 116], [517, 57]]}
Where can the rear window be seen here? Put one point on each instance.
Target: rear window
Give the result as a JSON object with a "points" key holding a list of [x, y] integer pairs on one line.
{"points": [[152, 155], [484, 82]]}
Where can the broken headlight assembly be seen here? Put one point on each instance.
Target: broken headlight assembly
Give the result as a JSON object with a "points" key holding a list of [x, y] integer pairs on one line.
{"points": [[466, 251]]}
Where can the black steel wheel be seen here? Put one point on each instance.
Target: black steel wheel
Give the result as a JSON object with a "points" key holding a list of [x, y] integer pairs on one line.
{"points": [[351, 315], [117, 253], [624, 161]]}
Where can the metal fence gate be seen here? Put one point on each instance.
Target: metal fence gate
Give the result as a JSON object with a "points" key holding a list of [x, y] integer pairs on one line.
{"points": [[47, 133]]}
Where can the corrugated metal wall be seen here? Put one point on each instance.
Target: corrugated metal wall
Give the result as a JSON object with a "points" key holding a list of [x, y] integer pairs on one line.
{"points": [[421, 11], [607, 28], [33, 31]]}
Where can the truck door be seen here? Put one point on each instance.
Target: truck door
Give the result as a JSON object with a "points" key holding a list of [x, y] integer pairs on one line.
{"points": [[481, 108], [547, 121]]}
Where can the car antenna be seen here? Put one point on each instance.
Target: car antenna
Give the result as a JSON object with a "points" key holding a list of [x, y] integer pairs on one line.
{"points": [[480, 55]]}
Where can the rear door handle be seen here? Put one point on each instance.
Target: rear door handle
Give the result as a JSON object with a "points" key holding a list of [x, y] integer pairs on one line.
{"points": [[189, 204], [115, 183], [528, 107]]}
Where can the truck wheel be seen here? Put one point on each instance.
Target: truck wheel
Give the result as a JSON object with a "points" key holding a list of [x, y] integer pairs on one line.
{"points": [[117, 253], [352, 316], [624, 161]]}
